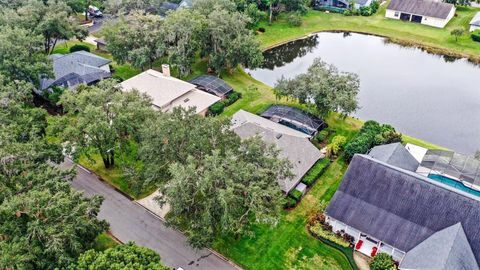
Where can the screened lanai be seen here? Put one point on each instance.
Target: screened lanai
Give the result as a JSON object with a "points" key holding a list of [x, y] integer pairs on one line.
{"points": [[294, 118], [462, 167], [212, 85]]}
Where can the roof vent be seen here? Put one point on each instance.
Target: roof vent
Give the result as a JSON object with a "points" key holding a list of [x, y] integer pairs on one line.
{"points": [[186, 100], [278, 136], [166, 70]]}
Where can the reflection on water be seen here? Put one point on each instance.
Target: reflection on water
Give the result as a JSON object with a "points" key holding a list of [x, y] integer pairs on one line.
{"points": [[435, 98]]}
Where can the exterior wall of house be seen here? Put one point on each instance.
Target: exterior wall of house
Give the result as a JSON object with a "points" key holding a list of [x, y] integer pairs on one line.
{"points": [[357, 234], [474, 27], [430, 21]]}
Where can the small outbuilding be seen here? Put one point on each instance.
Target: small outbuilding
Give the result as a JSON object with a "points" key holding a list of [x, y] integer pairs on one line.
{"points": [[212, 85], [101, 44], [428, 12], [475, 22], [295, 118]]}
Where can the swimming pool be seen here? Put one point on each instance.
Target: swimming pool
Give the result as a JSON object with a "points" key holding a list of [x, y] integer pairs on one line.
{"points": [[453, 183]]}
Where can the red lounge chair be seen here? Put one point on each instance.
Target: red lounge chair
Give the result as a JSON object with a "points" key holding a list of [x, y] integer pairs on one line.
{"points": [[374, 251], [359, 244]]}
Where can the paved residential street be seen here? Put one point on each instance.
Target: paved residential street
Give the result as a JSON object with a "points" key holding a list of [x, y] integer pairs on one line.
{"points": [[131, 222]]}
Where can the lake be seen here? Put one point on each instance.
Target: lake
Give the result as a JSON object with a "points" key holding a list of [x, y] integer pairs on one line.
{"points": [[431, 97]]}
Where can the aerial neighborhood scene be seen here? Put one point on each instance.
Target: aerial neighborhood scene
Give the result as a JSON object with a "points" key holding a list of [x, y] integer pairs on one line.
{"points": [[239, 134]]}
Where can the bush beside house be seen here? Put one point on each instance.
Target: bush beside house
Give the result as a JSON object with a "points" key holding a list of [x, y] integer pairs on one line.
{"points": [[218, 107], [79, 47], [382, 261], [316, 171], [370, 135], [476, 35]]}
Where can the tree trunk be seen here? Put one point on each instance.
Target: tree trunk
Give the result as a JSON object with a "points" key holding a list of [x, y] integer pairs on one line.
{"points": [[271, 13], [109, 159], [86, 14]]}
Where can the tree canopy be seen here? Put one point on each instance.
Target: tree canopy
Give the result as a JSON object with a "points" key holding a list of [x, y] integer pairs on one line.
{"points": [[220, 194], [43, 223], [101, 119], [122, 257], [323, 87]]}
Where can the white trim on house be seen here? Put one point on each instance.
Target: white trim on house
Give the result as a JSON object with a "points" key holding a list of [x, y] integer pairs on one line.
{"points": [[426, 20], [337, 225]]}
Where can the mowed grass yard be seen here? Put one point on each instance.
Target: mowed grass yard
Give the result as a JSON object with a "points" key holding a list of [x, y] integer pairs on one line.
{"points": [[434, 39]]}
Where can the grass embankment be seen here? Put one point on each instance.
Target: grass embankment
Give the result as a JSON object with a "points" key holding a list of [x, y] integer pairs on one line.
{"points": [[432, 39]]}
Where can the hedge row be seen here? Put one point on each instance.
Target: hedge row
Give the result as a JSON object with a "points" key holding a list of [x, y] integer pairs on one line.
{"points": [[218, 107], [348, 252], [316, 171]]}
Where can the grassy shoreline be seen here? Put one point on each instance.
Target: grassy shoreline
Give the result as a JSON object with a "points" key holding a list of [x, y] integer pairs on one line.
{"points": [[433, 40]]}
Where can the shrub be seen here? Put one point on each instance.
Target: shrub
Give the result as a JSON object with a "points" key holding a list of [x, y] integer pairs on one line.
{"points": [[216, 108], [231, 98], [79, 47], [322, 135], [316, 171], [318, 230], [337, 144], [294, 19], [347, 12], [365, 11], [53, 94], [375, 5], [371, 134], [476, 35], [290, 203], [382, 261], [296, 195]]}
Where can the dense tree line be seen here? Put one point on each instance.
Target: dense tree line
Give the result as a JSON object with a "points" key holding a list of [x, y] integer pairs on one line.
{"points": [[213, 29]]}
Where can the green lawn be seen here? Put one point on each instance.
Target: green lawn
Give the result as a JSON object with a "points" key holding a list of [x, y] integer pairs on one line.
{"points": [[104, 241], [433, 39]]}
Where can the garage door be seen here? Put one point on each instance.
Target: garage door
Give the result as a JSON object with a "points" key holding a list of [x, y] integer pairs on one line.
{"points": [[404, 16], [416, 18]]}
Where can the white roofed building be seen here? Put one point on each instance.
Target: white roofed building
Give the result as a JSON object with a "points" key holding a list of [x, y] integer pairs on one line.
{"points": [[168, 92]]}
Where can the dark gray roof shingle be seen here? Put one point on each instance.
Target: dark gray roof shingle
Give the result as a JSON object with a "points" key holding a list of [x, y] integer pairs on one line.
{"points": [[401, 208], [395, 154], [76, 68], [427, 8], [444, 250]]}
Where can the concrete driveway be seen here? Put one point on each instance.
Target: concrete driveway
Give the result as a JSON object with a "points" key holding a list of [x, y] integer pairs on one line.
{"points": [[131, 222]]}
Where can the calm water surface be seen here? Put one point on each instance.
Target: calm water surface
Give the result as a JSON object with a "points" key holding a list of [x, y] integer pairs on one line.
{"points": [[426, 96]]}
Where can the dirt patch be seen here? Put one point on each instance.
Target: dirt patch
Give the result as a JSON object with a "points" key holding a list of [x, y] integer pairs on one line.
{"points": [[361, 260]]}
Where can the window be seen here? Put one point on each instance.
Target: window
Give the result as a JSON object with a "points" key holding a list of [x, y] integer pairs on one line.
{"points": [[396, 13]]}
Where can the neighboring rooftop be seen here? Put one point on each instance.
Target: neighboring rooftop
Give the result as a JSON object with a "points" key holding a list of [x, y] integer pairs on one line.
{"points": [[444, 250], [402, 208], [476, 20], [186, 4], [294, 118], [297, 149], [76, 68], [427, 8], [395, 154], [168, 92], [212, 85]]}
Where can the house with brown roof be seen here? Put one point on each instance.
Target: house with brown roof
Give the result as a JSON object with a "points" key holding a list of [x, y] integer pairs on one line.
{"points": [[428, 12]]}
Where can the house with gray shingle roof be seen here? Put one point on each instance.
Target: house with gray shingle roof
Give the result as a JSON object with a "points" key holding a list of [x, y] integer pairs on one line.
{"points": [[475, 22], [293, 145], [421, 222], [76, 68], [428, 12]]}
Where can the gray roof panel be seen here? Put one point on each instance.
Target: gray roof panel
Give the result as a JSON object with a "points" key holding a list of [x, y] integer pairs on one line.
{"points": [[427, 8], [395, 154], [399, 207]]}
